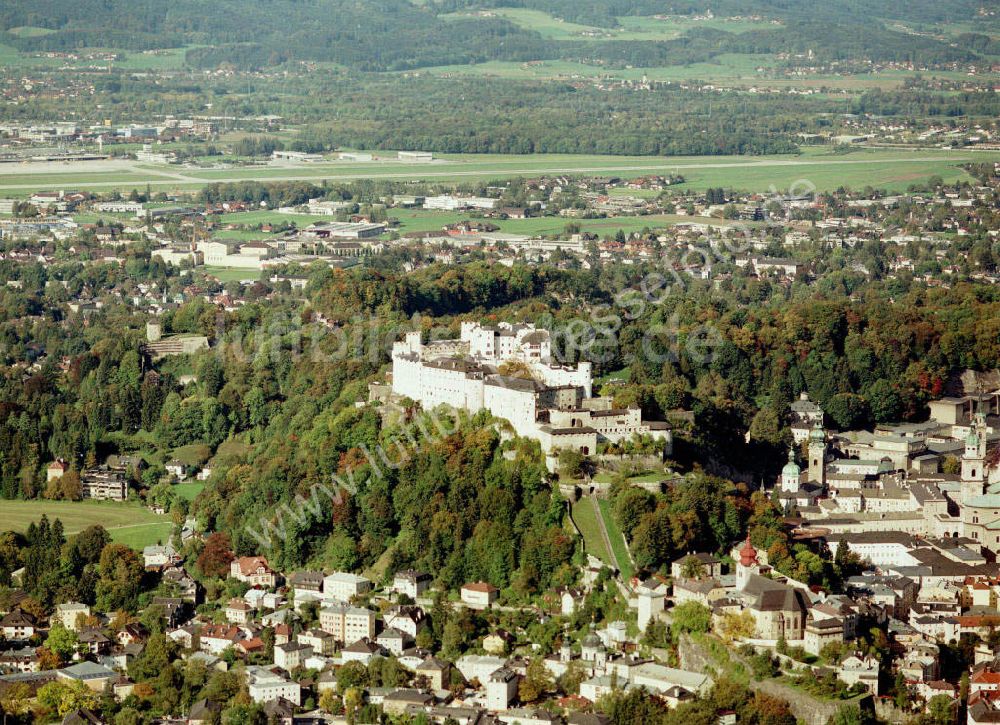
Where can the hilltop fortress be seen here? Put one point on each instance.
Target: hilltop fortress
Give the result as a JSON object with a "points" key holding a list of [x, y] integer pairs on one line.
{"points": [[509, 371]]}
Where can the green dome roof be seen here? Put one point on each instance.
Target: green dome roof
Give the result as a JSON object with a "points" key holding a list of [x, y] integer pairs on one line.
{"points": [[791, 468], [816, 434]]}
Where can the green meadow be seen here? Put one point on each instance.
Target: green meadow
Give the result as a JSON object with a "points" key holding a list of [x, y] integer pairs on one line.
{"points": [[128, 523]]}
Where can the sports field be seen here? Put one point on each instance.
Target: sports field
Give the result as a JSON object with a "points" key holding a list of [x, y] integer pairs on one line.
{"points": [[128, 523], [892, 169]]}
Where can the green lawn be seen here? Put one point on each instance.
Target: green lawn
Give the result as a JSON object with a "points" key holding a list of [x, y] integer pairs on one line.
{"points": [[189, 490], [129, 522], [586, 519], [139, 537], [617, 540], [228, 274]]}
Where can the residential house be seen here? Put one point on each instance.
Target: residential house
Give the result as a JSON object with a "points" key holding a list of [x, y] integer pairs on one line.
{"points": [[159, 556], [69, 614], [253, 570], [696, 566], [858, 669], [501, 689], [321, 642], [18, 626], [436, 671], [291, 655], [362, 651], [24, 659], [133, 633], [94, 641], [407, 618], [309, 581], [479, 595], [395, 641], [265, 685], [410, 582], [216, 638], [238, 611]]}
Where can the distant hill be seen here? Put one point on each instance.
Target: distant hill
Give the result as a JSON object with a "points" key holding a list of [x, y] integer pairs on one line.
{"points": [[387, 35]]}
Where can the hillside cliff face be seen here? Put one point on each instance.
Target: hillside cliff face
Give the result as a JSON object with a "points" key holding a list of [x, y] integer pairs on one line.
{"points": [[806, 708]]}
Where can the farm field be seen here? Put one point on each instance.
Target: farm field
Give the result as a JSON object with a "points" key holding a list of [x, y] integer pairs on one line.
{"points": [[895, 169], [729, 69], [128, 523], [631, 27], [162, 59]]}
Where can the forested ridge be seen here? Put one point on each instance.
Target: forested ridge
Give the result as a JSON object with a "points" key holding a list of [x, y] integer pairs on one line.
{"points": [[286, 418], [379, 35]]}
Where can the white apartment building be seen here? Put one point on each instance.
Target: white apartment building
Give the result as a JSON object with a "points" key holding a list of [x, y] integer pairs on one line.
{"points": [[343, 585], [346, 623], [265, 686]]}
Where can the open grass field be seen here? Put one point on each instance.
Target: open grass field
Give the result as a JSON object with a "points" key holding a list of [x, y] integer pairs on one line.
{"points": [[154, 60], [128, 523], [893, 169], [630, 27], [228, 274], [189, 490], [726, 68], [618, 547], [194, 454], [733, 70], [139, 537], [30, 31], [162, 59], [586, 518]]}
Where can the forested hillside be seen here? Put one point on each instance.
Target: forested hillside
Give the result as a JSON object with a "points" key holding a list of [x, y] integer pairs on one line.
{"points": [[284, 418], [379, 35]]}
